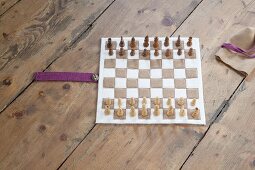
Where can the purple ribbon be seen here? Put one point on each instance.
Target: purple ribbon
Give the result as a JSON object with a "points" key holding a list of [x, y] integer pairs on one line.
{"points": [[236, 49], [66, 76]]}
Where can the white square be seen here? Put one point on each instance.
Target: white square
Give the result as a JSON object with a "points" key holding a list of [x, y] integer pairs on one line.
{"points": [[144, 83], [132, 73], [136, 56], [156, 92], [167, 64], [168, 83], [132, 92], [148, 103], [123, 103], [108, 93], [192, 63], [109, 72], [120, 82], [153, 57], [180, 93], [156, 73], [192, 83], [176, 56], [179, 73], [121, 63], [144, 64]]}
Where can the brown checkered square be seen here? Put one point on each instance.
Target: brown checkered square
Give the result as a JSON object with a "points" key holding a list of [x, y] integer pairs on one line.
{"points": [[128, 103], [190, 111], [178, 106], [167, 73], [132, 83], [181, 47], [136, 43], [180, 83], [140, 114], [193, 54], [165, 116], [121, 72], [109, 63], [156, 83], [168, 92], [164, 54], [191, 73], [156, 63], [192, 93], [144, 92], [120, 93], [119, 117], [180, 63], [144, 73], [104, 103], [133, 63], [109, 82]]}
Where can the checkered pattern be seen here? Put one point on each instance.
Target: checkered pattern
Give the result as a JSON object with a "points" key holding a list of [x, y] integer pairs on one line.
{"points": [[135, 76]]}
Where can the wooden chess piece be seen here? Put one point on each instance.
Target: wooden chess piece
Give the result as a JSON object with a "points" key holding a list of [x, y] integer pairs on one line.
{"points": [[132, 102], [169, 101], [119, 102], [132, 111], [156, 110], [120, 112], [193, 102], [157, 101], [145, 53], [195, 114], [179, 52], [178, 42], [107, 110], [121, 52], [156, 53], [108, 102], [144, 101], [189, 43], [180, 101], [168, 53], [190, 53], [182, 111], [166, 43], [132, 53], [133, 43], [122, 43], [109, 43], [170, 111], [156, 43], [144, 111], [146, 41], [110, 51]]}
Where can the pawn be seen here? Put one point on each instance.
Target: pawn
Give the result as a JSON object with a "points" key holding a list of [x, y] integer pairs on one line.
{"points": [[132, 53], [110, 51], [132, 102], [157, 101], [156, 53], [179, 52], [180, 102], [190, 53], [193, 102], [168, 53], [121, 52], [132, 111], [119, 102], [166, 43], [195, 114], [156, 110], [107, 110], [145, 53], [178, 42], [169, 101], [170, 111], [109, 43], [189, 43], [133, 43], [182, 111], [122, 43], [120, 112], [156, 43], [144, 111], [108, 102], [146, 41], [144, 101]]}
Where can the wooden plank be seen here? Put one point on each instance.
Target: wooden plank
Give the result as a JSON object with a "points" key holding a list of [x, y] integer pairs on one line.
{"points": [[167, 147], [46, 122], [229, 144], [46, 31], [6, 4]]}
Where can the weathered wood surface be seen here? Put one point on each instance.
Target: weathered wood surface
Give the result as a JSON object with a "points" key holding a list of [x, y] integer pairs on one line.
{"points": [[167, 147], [39, 32], [46, 122], [6, 4]]}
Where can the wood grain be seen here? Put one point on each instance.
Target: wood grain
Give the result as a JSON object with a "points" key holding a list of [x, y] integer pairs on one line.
{"points": [[6, 4], [167, 147], [46, 31], [46, 122]]}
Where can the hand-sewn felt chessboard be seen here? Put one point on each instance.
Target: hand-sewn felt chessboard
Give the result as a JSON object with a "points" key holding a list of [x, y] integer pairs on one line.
{"points": [[138, 77]]}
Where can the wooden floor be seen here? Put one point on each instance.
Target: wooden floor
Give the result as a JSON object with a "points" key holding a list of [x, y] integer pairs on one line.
{"points": [[52, 125]]}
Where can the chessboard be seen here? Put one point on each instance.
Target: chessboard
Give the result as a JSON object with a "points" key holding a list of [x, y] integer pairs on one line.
{"points": [[150, 80]]}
